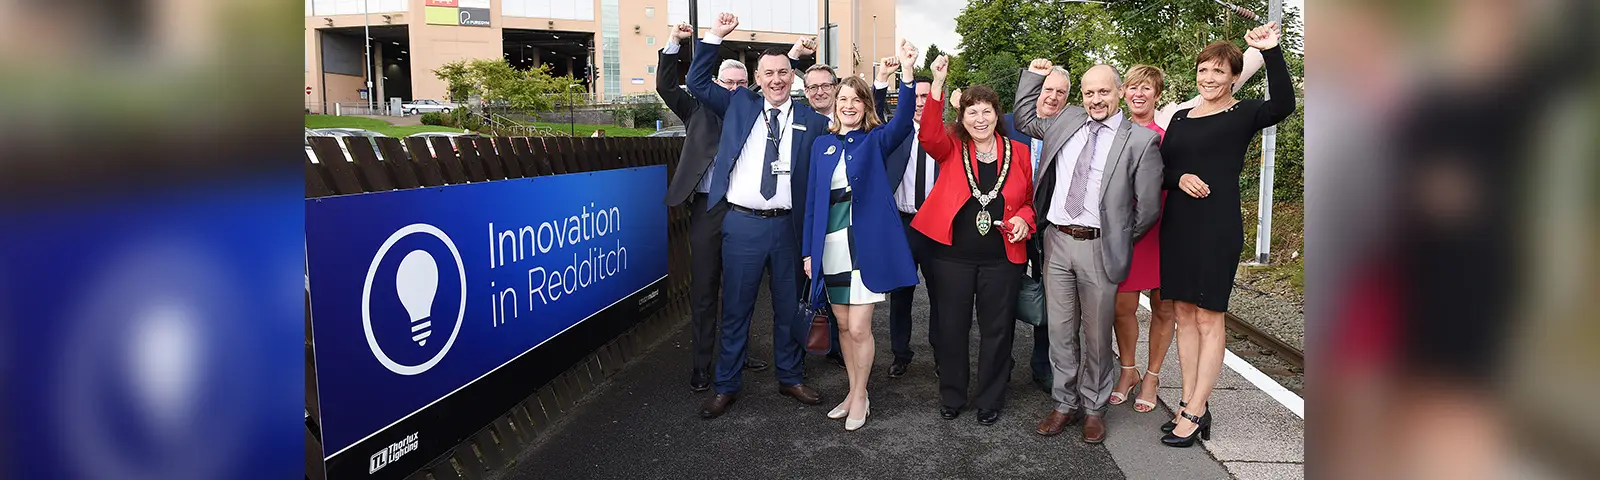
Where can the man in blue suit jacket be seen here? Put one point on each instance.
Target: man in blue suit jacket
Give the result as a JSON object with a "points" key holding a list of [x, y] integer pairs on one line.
{"points": [[760, 171]]}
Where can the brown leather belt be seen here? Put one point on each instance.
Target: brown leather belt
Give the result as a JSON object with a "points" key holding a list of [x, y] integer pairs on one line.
{"points": [[778, 212], [1079, 232]]}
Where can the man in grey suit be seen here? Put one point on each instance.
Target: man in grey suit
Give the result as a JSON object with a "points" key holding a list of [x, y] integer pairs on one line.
{"points": [[1098, 190]]}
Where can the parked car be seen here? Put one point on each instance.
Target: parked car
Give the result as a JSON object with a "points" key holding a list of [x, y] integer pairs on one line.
{"points": [[448, 135], [668, 132], [371, 136], [424, 106]]}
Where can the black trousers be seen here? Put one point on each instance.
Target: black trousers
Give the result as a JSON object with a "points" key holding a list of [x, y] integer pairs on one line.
{"points": [[900, 300], [954, 284], [705, 281]]}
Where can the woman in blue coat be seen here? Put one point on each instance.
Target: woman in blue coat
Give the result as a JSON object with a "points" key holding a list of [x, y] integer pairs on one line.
{"points": [[855, 248]]}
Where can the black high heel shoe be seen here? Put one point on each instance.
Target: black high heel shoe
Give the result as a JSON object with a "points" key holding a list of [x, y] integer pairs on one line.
{"points": [[1171, 424], [1203, 431]]}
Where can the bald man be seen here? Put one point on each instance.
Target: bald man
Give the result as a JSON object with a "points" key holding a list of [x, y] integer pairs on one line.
{"points": [[1097, 192]]}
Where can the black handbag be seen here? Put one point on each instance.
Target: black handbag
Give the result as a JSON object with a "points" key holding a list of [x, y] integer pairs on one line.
{"points": [[1030, 301]]}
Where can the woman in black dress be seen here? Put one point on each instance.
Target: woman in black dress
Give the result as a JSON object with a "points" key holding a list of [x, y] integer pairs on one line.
{"points": [[1202, 229]]}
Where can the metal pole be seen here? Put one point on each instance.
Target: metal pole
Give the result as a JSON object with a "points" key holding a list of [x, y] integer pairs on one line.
{"points": [[366, 33], [875, 57], [694, 24], [827, 26], [1269, 142]]}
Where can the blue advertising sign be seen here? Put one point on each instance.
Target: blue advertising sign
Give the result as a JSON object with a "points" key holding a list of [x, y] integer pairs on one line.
{"points": [[418, 294]]}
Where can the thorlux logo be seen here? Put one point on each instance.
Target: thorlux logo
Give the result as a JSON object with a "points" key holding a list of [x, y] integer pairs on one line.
{"points": [[416, 284]]}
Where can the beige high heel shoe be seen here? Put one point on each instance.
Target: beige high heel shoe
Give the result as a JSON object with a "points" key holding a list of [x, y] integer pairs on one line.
{"points": [[851, 424], [839, 411], [1117, 398]]}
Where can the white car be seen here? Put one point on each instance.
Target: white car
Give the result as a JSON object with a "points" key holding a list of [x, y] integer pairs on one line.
{"points": [[424, 106]]}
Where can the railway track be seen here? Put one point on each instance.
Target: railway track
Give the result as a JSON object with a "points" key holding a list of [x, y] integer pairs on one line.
{"points": [[1274, 357]]}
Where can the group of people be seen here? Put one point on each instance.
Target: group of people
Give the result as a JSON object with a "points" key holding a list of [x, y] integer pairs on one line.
{"points": [[838, 205]]}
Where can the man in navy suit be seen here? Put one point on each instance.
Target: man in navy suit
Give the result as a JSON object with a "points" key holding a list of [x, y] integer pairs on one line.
{"points": [[1048, 105], [915, 171], [760, 171]]}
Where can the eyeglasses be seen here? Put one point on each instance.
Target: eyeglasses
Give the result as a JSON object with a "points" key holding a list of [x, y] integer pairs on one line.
{"points": [[819, 87], [736, 83]]}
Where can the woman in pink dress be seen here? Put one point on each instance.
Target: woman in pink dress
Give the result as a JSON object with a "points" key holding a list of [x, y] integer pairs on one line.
{"points": [[1142, 91]]}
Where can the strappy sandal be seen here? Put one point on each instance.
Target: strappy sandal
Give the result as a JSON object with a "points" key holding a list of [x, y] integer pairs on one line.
{"points": [[1118, 397], [1146, 406]]}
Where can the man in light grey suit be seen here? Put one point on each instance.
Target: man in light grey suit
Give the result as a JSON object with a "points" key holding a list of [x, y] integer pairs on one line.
{"points": [[1098, 190]]}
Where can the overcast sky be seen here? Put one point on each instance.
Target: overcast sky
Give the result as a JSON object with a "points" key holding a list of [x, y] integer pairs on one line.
{"points": [[927, 22]]}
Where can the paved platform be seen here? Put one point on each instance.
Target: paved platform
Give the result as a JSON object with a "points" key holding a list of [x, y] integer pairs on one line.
{"points": [[643, 422]]}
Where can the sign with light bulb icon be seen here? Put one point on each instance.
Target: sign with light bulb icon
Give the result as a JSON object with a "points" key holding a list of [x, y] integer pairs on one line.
{"points": [[435, 309]]}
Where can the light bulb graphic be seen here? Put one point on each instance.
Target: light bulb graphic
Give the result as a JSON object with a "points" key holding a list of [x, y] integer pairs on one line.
{"points": [[417, 281]]}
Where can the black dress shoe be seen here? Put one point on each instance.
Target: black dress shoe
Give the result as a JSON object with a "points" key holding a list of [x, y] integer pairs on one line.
{"points": [[1203, 430], [988, 417], [836, 359], [716, 406], [754, 365], [699, 380], [949, 413], [898, 369]]}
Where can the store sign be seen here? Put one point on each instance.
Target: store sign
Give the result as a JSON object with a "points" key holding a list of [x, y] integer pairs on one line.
{"points": [[466, 13]]}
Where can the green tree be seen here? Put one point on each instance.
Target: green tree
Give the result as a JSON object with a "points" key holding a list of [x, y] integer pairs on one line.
{"points": [[496, 81], [928, 57], [1073, 35]]}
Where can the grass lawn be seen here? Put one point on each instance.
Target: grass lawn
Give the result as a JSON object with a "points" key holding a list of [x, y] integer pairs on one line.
{"points": [[380, 126]]}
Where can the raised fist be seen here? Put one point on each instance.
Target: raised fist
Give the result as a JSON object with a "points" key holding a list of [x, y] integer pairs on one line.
{"points": [[908, 52], [1040, 66], [940, 67], [804, 47], [1263, 37], [681, 32], [725, 24], [889, 65]]}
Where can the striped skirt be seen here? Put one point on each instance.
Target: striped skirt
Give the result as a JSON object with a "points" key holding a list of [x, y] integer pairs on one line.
{"points": [[841, 276]]}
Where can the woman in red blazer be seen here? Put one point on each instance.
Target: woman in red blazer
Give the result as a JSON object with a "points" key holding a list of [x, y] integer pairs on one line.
{"points": [[981, 214]]}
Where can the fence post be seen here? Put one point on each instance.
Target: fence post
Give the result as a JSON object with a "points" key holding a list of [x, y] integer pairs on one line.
{"points": [[335, 109]]}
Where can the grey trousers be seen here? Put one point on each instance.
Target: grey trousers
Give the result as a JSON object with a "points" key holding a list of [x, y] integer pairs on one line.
{"points": [[1078, 294]]}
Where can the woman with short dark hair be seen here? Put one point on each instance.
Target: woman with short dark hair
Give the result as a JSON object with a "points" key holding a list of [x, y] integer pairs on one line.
{"points": [[980, 212], [1202, 232]]}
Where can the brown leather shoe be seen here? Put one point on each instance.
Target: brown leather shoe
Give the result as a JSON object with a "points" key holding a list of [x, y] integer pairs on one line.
{"points": [[1094, 429], [1056, 421], [716, 406], [801, 392]]}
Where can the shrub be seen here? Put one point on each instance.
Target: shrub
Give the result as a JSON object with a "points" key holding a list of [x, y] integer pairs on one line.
{"points": [[433, 118]]}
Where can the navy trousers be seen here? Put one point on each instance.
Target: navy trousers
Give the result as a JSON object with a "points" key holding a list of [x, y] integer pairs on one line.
{"points": [[752, 247]]}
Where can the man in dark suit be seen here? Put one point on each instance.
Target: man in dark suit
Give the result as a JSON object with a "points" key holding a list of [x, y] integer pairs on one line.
{"points": [[915, 171], [760, 171], [690, 184], [1050, 101]]}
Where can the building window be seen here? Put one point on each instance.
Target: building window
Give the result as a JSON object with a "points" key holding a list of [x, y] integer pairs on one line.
{"points": [[650, 12], [649, 40], [650, 69]]}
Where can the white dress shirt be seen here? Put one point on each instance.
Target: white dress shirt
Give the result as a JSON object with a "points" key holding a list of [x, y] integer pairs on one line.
{"points": [[905, 196], [1068, 159], [744, 184]]}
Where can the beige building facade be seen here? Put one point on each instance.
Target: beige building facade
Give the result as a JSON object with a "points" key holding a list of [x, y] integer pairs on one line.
{"points": [[609, 45]]}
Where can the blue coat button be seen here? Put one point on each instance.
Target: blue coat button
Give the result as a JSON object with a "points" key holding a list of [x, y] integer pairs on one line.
{"points": [[850, 140]]}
